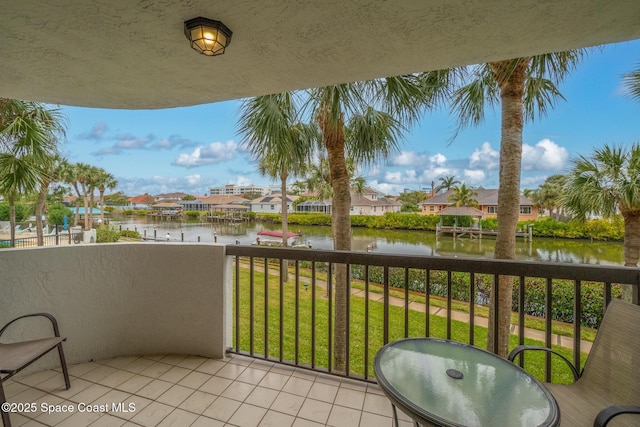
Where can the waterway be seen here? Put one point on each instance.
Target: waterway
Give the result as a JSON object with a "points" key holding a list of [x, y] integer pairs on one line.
{"points": [[407, 242]]}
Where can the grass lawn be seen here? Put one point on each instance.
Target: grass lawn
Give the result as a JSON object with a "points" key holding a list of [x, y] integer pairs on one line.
{"points": [[321, 333]]}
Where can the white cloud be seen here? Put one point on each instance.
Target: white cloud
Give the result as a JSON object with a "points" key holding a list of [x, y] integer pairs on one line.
{"points": [[484, 157], [474, 176], [438, 159], [96, 133], [545, 155], [410, 158], [241, 181], [193, 179], [192, 184], [214, 153], [394, 177]]}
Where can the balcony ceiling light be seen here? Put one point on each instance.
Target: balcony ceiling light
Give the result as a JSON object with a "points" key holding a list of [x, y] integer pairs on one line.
{"points": [[207, 36]]}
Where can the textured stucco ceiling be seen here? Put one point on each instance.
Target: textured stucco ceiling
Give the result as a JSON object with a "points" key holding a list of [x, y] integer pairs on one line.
{"points": [[133, 54]]}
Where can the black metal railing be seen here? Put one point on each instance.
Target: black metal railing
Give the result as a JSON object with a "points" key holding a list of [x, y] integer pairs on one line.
{"points": [[392, 297], [48, 240]]}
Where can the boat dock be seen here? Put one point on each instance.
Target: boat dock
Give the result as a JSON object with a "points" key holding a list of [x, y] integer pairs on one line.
{"points": [[477, 232]]}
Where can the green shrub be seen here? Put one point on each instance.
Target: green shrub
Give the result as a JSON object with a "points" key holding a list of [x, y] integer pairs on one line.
{"points": [[130, 233], [57, 212], [22, 211], [106, 234], [249, 215], [141, 212], [192, 214]]}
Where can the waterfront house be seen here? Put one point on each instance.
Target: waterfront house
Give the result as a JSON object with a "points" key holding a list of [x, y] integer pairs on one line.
{"points": [[487, 203], [272, 203]]}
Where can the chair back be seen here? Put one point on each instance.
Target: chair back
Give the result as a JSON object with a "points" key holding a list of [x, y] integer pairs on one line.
{"points": [[613, 365]]}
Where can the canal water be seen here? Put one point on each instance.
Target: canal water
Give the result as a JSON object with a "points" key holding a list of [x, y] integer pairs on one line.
{"points": [[407, 242]]}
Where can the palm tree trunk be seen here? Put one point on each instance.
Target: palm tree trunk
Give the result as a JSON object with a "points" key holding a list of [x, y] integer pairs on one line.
{"points": [[101, 205], [285, 224], [12, 220], [42, 197], [76, 217], [91, 204], [511, 95], [85, 193], [341, 224]]}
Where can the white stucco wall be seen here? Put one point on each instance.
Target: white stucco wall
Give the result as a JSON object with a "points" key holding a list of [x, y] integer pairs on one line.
{"points": [[120, 299]]}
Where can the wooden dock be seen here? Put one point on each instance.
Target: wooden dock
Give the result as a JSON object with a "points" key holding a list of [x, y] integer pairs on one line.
{"points": [[476, 232]]}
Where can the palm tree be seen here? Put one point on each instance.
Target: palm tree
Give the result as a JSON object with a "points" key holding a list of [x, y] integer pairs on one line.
{"points": [[464, 196], [606, 184], [28, 138], [550, 194], [54, 167], [631, 81], [446, 183], [319, 178], [362, 121], [104, 180], [282, 145], [524, 87]]}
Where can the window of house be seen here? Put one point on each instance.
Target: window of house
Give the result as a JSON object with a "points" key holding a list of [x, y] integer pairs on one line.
{"points": [[525, 210], [273, 207], [432, 208], [492, 209]]}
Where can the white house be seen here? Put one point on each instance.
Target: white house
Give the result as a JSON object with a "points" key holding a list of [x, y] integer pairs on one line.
{"points": [[272, 204]]}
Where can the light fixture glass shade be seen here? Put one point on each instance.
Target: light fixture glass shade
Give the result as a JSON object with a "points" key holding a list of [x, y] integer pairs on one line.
{"points": [[207, 36]]}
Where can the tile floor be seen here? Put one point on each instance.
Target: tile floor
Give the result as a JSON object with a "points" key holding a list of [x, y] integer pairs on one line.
{"points": [[172, 390]]}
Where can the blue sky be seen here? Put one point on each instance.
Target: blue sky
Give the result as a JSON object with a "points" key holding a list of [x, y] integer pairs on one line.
{"points": [[190, 149]]}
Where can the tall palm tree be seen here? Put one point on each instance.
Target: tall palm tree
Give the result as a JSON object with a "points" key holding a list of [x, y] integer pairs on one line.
{"points": [[446, 183], [53, 168], [550, 194], [28, 138], [523, 87], [631, 81], [77, 174], [277, 140], [104, 181], [605, 184], [363, 121], [464, 196]]}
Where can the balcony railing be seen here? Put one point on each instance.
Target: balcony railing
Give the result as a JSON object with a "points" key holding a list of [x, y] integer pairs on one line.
{"points": [[291, 321]]}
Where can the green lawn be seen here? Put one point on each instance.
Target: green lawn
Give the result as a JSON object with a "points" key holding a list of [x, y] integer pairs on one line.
{"points": [[460, 330]]}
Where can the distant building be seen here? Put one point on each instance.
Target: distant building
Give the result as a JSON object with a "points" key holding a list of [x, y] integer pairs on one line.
{"points": [[236, 190], [272, 203], [370, 202], [487, 201], [169, 197], [143, 201]]}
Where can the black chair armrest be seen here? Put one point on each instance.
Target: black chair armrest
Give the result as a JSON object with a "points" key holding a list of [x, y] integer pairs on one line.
{"points": [[53, 320], [607, 414], [519, 349]]}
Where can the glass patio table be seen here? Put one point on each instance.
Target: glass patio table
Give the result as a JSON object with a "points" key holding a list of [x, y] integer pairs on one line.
{"points": [[444, 383]]}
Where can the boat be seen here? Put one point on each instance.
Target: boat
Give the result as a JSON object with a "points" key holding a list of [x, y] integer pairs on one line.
{"points": [[276, 233]]}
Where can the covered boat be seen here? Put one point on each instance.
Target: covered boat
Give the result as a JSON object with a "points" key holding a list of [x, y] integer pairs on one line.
{"points": [[276, 233]]}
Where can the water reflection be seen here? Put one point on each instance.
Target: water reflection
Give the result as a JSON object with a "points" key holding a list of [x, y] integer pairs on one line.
{"points": [[390, 241]]}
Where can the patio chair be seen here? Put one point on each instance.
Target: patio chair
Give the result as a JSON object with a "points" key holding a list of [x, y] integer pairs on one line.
{"points": [[14, 357], [608, 388]]}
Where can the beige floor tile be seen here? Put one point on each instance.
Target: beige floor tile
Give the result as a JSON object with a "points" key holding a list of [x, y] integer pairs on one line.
{"points": [[138, 365], [215, 385], [353, 384], [207, 422], [222, 409], [373, 420], [173, 359], [192, 362], [135, 404], [211, 366], [231, 371], [174, 374], [283, 369], [262, 397], [35, 379], [251, 376], [198, 402], [328, 379], [288, 403], [274, 380], [263, 365], [154, 357], [55, 410], [375, 389], [247, 416], [297, 386], [238, 359], [154, 389], [11, 388], [238, 391], [350, 398], [377, 404], [175, 395], [108, 421], [305, 374], [56, 385], [323, 392], [116, 378], [101, 372], [118, 362], [134, 384], [152, 414], [301, 422], [194, 380], [276, 419], [315, 410], [178, 418], [82, 368], [156, 370], [112, 397], [18, 420], [344, 417], [80, 419], [90, 393]]}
